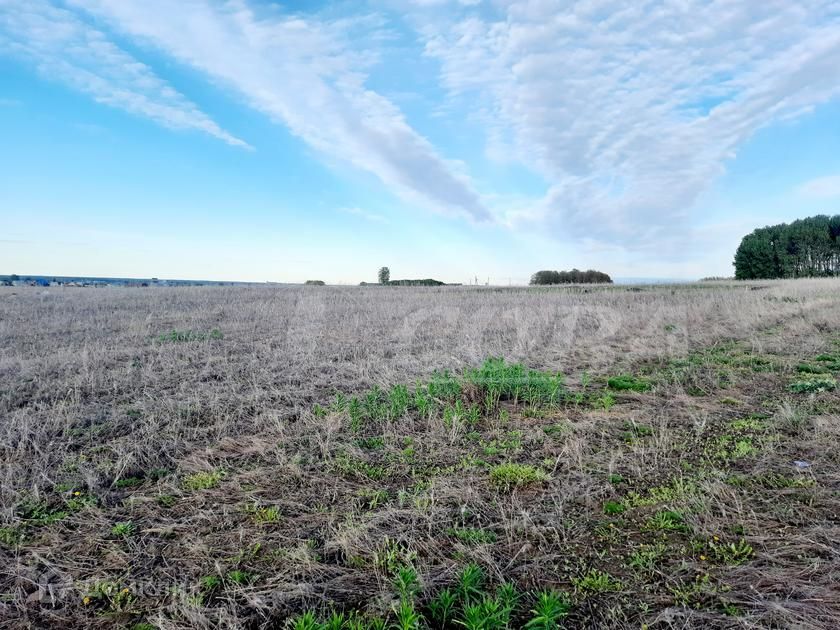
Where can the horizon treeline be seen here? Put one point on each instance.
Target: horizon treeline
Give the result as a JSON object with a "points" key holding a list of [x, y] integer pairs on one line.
{"points": [[801, 249], [575, 276]]}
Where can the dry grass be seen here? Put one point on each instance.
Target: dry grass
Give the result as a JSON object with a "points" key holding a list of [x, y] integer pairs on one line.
{"points": [[205, 472]]}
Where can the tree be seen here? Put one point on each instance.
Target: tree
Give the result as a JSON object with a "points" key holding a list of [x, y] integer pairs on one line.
{"points": [[384, 275], [805, 248], [575, 276]]}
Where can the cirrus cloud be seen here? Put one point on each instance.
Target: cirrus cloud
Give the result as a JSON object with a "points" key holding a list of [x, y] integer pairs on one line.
{"points": [[630, 111]]}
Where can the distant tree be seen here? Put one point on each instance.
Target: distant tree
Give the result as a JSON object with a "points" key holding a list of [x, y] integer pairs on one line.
{"points": [[424, 282], [384, 275], [805, 248], [314, 283], [575, 276], [546, 277]]}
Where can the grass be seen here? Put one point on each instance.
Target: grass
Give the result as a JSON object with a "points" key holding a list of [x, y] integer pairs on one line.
{"points": [[626, 382], [180, 336], [509, 476], [203, 480], [352, 458]]}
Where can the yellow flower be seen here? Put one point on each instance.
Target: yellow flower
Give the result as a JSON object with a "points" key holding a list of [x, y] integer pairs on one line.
{"points": [[86, 601], [702, 557], [125, 590], [717, 538], [77, 493]]}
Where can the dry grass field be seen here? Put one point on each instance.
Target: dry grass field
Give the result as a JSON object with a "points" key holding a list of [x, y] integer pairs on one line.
{"points": [[327, 457]]}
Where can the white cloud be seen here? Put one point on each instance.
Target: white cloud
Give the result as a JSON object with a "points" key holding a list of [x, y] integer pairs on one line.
{"points": [[821, 188], [65, 48], [631, 110], [302, 73]]}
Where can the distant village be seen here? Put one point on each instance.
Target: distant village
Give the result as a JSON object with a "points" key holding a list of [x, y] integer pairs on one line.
{"points": [[14, 280]]}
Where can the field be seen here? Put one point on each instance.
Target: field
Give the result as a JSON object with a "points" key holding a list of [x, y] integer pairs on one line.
{"points": [[454, 457]]}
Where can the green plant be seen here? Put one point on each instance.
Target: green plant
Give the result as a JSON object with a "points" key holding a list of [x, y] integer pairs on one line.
{"points": [[473, 536], [469, 587], [41, 512], [499, 380], [814, 385], [203, 480], [605, 402], [747, 424], [487, 614], [406, 582], [10, 536], [668, 520], [358, 467], [625, 382], [111, 596], [398, 400], [123, 530], [128, 482], [371, 499], [548, 611], [262, 515], [613, 507], [239, 577], [596, 581], [177, 336], [305, 621], [506, 477], [646, 557], [733, 553], [166, 500], [407, 617], [442, 607]]}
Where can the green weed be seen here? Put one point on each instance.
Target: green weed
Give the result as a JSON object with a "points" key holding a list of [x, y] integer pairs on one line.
{"points": [[473, 536], [548, 611], [814, 385], [123, 530], [668, 520], [203, 480], [179, 336], [511, 475], [596, 581], [625, 382]]}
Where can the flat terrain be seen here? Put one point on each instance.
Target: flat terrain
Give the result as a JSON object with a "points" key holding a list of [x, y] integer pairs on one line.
{"points": [[372, 457]]}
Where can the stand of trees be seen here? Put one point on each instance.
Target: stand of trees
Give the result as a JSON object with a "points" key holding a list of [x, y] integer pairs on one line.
{"points": [[425, 282], [805, 248], [575, 276]]}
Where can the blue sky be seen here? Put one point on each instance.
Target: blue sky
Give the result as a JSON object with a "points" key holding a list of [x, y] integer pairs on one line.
{"points": [[282, 141]]}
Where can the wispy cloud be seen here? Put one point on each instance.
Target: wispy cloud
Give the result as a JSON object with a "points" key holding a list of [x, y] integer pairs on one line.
{"points": [[66, 48], [302, 73], [631, 110], [364, 214], [821, 188]]}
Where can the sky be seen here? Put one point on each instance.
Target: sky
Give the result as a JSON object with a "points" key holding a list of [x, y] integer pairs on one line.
{"points": [[454, 139]]}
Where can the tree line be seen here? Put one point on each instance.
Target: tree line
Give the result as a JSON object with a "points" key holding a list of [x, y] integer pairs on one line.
{"points": [[575, 276], [805, 248]]}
